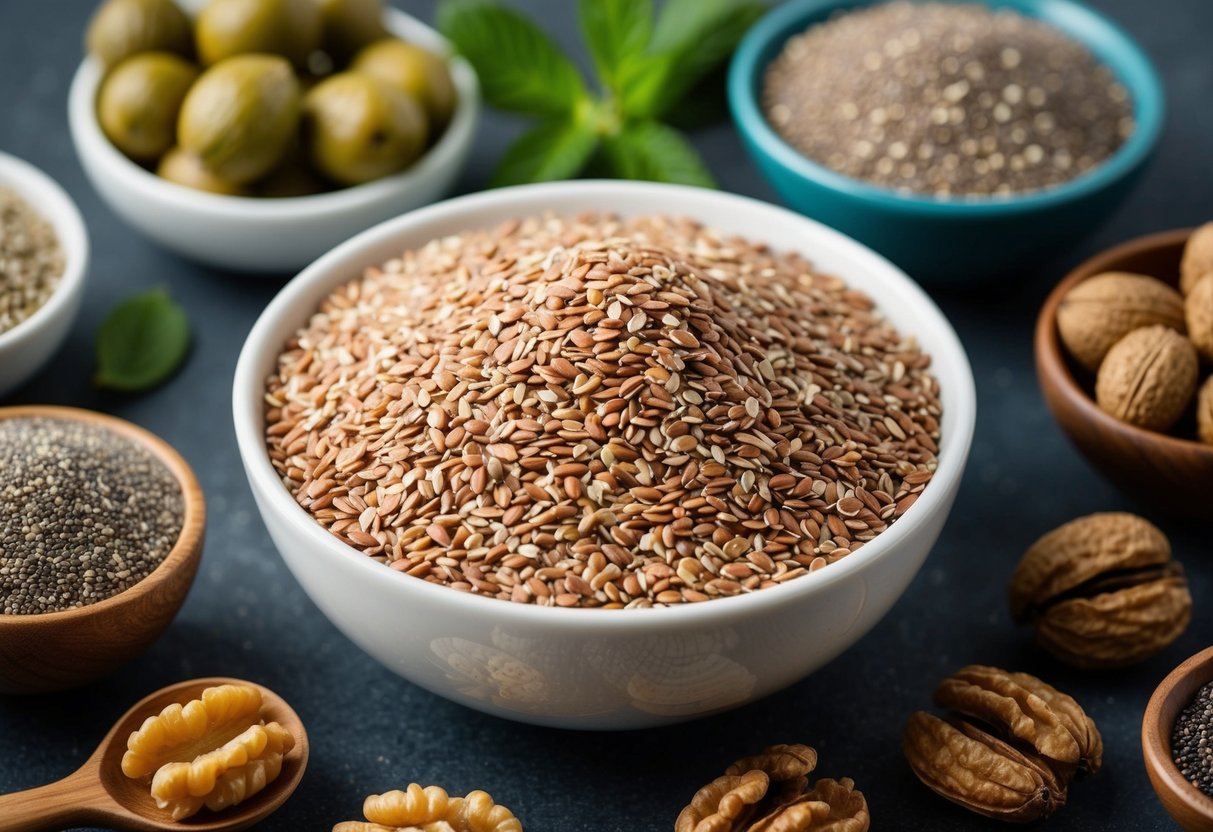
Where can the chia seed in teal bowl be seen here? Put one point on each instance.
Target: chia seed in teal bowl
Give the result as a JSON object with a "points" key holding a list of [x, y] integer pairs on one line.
{"points": [[960, 239]]}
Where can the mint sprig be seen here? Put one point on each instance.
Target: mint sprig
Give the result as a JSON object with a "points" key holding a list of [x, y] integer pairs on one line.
{"points": [[646, 66]]}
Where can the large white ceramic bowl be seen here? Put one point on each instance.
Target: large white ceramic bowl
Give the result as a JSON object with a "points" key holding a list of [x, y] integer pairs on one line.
{"points": [[269, 235], [588, 668], [31, 343]]}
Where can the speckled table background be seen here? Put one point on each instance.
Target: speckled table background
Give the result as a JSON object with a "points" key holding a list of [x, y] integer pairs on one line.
{"points": [[372, 731]]}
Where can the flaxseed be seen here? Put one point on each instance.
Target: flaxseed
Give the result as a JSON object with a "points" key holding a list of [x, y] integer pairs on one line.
{"points": [[484, 413]]}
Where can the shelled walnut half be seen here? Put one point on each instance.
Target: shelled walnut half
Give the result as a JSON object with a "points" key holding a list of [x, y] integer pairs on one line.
{"points": [[1009, 748], [431, 809], [214, 751], [767, 793], [1102, 591]]}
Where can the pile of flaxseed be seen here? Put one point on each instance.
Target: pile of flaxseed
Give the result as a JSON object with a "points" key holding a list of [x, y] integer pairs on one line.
{"points": [[84, 514], [946, 99], [31, 261], [602, 412]]}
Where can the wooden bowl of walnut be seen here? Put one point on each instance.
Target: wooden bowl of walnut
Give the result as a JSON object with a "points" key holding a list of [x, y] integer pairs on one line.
{"points": [[1170, 471], [1191, 808]]}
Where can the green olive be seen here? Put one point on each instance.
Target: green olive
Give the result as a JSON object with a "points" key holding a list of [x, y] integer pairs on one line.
{"points": [[139, 100], [239, 118], [121, 28], [350, 25], [412, 69], [186, 169], [290, 28], [294, 177], [358, 128]]}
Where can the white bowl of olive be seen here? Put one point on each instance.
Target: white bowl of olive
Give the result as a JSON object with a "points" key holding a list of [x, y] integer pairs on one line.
{"points": [[254, 135]]}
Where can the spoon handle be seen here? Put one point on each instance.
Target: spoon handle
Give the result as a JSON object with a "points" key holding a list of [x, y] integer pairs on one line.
{"points": [[55, 806]]}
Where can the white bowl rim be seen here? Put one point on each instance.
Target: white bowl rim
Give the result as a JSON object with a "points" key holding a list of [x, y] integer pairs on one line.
{"points": [[248, 392], [83, 122], [49, 200]]}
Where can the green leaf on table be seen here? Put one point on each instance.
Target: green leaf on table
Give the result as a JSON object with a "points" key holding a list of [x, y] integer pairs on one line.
{"points": [[690, 38], [617, 34], [651, 150], [141, 342], [520, 68], [555, 149]]}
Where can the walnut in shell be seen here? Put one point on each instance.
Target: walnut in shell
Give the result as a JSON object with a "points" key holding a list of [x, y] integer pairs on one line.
{"points": [[1198, 311], [1204, 412], [1008, 750], [1197, 259], [1102, 591], [1100, 311], [1148, 378]]}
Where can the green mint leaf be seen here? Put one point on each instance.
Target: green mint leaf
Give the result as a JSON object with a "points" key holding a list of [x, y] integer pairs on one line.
{"points": [[556, 149], [651, 150], [691, 38], [617, 33], [684, 24], [141, 342], [520, 68]]}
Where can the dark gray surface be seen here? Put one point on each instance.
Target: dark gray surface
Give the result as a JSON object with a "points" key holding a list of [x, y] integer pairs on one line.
{"points": [[372, 731]]}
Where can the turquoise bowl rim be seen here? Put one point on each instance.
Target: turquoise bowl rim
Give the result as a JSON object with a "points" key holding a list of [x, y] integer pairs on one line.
{"points": [[1110, 44]]}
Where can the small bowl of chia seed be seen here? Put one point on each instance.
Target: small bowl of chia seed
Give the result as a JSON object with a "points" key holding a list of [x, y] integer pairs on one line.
{"points": [[1177, 742], [959, 139], [43, 260], [101, 528]]}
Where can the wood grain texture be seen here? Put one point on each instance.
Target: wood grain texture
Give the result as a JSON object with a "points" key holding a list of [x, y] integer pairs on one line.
{"points": [[98, 793], [1191, 808], [55, 651], [1173, 474]]}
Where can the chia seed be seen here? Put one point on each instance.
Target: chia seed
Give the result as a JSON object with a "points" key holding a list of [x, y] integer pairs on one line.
{"points": [[947, 100], [31, 261], [1191, 746], [85, 514]]}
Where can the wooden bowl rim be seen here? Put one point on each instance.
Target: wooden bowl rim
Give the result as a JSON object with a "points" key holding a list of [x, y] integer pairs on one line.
{"points": [[1156, 733], [188, 546], [1053, 368]]}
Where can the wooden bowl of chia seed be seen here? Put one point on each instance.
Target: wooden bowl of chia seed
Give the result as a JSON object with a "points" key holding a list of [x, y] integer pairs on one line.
{"points": [[101, 530], [1181, 700]]}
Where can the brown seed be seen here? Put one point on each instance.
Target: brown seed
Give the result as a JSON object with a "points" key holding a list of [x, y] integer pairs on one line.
{"points": [[623, 432]]}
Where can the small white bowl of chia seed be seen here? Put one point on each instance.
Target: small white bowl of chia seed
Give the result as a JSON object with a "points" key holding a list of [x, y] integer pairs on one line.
{"points": [[43, 260]]}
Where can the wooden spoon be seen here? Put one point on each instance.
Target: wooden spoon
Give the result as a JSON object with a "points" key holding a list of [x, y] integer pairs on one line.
{"points": [[98, 793]]}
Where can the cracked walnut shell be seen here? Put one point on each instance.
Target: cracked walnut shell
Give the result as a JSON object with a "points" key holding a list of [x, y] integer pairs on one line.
{"points": [[1008, 750], [1102, 591], [1101, 310], [1148, 378]]}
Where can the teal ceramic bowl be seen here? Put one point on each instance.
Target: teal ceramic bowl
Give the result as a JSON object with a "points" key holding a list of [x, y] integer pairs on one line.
{"points": [[959, 240]]}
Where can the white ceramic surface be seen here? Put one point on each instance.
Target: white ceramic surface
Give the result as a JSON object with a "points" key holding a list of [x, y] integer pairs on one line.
{"points": [[31, 343], [605, 669], [269, 235]]}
